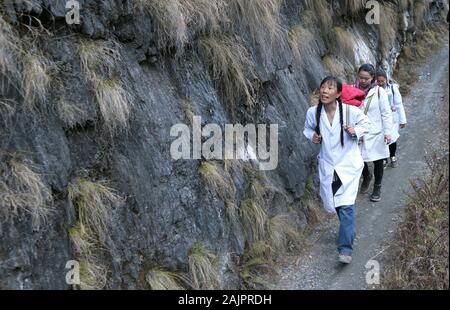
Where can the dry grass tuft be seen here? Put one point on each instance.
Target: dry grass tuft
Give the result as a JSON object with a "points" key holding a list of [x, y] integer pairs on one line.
{"points": [[282, 233], [115, 104], [159, 279], [254, 219], [170, 23], [10, 49], [261, 18], [94, 202], [7, 111], [232, 69], [36, 79], [69, 113], [323, 13], [23, 191], [421, 8], [258, 261], [299, 38], [99, 61], [334, 66], [353, 7], [25, 67], [344, 44], [83, 240], [388, 27], [203, 268], [220, 180], [176, 20], [93, 275]]}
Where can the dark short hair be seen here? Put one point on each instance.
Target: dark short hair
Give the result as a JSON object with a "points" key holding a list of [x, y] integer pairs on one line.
{"points": [[381, 72], [368, 68]]}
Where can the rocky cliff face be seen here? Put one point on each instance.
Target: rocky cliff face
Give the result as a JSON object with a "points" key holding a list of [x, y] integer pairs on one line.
{"points": [[86, 113]]}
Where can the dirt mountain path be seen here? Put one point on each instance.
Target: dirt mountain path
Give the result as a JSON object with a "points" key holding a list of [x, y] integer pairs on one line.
{"points": [[317, 267]]}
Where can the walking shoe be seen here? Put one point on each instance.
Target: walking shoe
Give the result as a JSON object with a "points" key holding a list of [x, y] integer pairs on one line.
{"points": [[345, 259], [394, 162], [376, 195], [365, 184]]}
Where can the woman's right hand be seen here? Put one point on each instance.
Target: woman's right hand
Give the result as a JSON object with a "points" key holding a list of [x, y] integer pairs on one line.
{"points": [[350, 130], [317, 139]]}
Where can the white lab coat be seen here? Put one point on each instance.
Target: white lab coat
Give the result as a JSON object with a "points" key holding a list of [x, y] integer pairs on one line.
{"points": [[398, 114], [373, 147], [346, 161]]}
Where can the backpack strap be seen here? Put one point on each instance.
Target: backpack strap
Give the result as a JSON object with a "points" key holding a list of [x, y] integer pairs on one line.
{"points": [[317, 129], [347, 115], [393, 90], [366, 110]]}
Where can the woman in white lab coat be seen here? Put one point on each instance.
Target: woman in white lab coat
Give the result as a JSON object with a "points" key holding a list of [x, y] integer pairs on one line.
{"points": [[398, 113], [374, 146], [337, 129]]}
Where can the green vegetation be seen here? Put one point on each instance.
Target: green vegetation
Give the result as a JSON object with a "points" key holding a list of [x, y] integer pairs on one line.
{"points": [[420, 252]]}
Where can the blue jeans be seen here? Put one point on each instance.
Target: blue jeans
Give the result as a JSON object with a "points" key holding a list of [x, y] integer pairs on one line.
{"points": [[347, 229]]}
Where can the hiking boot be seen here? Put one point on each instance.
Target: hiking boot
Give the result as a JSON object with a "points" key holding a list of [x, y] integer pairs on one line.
{"points": [[365, 184], [345, 259], [394, 162], [376, 195]]}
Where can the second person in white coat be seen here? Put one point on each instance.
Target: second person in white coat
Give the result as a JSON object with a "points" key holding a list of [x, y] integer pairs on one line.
{"points": [[374, 146]]}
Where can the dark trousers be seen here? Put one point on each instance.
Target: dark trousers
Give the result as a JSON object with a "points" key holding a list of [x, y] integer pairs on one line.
{"points": [[392, 149], [377, 171]]}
